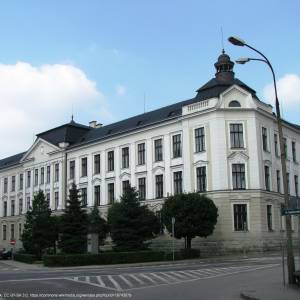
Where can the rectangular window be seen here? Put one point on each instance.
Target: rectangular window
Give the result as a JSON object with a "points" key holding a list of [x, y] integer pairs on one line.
{"points": [[177, 145], [199, 139], [4, 209], [21, 181], [110, 161], [159, 184], [84, 167], [5, 187], [264, 138], [97, 164], [20, 206], [125, 186], [4, 233], [278, 180], [201, 179], [48, 198], [13, 183], [158, 150], [296, 185], [20, 230], [56, 173], [285, 147], [236, 136], [294, 151], [142, 188], [269, 217], [28, 203], [56, 200], [276, 144], [125, 157], [84, 197], [288, 182], [141, 154], [48, 174], [42, 175], [12, 231], [36, 177], [240, 217], [72, 169], [238, 177], [111, 192], [12, 207], [177, 182], [28, 179], [97, 195], [267, 178]]}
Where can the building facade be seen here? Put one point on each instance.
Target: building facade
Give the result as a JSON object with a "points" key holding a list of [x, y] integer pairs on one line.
{"points": [[223, 142]]}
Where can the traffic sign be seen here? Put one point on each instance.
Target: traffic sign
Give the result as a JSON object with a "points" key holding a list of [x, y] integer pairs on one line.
{"points": [[12, 242]]}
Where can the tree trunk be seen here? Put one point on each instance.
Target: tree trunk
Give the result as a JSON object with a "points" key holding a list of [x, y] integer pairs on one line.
{"points": [[188, 242]]}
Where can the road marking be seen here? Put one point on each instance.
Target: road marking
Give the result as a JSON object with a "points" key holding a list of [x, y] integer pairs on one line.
{"points": [[115, 283], [185, 273], [87, 279], [178, 275], [136, 278], [168, 275], [100, 281], [126, 280], [148, 278], [159, 277]]}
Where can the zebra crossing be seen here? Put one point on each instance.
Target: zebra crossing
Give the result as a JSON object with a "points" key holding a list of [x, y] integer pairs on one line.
{"points": [[129, 281]]}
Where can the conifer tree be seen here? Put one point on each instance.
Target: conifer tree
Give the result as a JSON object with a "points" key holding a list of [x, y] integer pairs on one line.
{"points": [[131, 224], [38, 229], [73, 225]]}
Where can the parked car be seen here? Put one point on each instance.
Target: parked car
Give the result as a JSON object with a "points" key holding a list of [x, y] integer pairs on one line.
{"points": [[5, 254]]}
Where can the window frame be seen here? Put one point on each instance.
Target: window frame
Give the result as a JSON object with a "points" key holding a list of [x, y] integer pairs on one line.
{"points": [[245, 176], [177, 182], [237, 136], [158, 150], [247, 216], [177, 145], [110, 161], [199, 139]]}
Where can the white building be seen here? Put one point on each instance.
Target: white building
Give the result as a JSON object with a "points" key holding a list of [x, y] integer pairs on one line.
{"points": [[224, 142]]}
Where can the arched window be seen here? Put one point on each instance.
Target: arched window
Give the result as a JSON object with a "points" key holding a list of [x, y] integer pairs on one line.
{"points": [[234, 103]]}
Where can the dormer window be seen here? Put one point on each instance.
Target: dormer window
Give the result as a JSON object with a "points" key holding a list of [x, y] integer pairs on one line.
{"points": [[234, 103]]}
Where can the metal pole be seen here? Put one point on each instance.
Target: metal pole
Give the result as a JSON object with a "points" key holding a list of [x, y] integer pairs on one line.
{"points": [[245, 234], [173, 235], [282, 260]]}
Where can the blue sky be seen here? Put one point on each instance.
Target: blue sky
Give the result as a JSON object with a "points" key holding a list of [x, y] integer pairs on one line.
{"points": [[112, 53]]}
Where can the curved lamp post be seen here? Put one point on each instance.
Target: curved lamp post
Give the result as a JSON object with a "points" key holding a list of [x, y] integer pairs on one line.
{"points": [[290, 256]]}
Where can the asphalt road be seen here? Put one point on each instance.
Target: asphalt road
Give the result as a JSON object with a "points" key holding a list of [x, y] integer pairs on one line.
{"points": [[188, 280]]}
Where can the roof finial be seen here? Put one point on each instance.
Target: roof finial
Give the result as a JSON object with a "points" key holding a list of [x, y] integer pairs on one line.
{"points": [[72, 116], [222, 40]]}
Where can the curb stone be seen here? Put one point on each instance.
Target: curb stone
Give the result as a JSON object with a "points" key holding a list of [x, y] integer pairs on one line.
{"points": [[249, 295]]}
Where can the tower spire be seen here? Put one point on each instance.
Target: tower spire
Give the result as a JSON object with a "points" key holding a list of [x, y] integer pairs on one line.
{"points": [[224, 68]]}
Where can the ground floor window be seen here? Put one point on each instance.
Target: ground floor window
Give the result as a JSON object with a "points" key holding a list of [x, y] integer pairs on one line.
{"points": [[12, 231], [111, 193], [4, 232], [269, 217], [240, 217]]}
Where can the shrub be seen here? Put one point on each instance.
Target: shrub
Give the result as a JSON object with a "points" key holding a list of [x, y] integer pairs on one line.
{"points": [[26, 258], [64, 260]]}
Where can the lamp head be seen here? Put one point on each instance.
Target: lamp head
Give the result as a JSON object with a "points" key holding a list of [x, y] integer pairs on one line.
{"points": [[242, 60], [236, 41]]}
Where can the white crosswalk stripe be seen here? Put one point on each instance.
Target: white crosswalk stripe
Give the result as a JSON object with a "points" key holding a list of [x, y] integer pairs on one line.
{"points": [[130, 281]]}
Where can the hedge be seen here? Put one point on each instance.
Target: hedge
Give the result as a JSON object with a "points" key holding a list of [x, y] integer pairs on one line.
{"points": [[106, 258], [26, 258]]}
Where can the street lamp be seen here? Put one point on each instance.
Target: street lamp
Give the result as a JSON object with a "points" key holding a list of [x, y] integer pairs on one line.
{"points": [[290, 256]]}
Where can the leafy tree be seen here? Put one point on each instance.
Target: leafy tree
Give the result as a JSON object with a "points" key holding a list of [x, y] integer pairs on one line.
{"points": [[97, 225], [73, 225], [38, 233], [195, 215], [131, 224]]}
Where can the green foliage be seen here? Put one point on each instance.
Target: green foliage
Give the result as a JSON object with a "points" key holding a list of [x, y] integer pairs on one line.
{"points": [[102, 259], [26, 258], [73, 225], [195, 215], [38, 233], [131, 224], [97, 225]]}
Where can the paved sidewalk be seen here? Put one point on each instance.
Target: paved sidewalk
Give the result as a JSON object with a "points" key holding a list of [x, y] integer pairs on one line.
{"points": [[21, 265]]}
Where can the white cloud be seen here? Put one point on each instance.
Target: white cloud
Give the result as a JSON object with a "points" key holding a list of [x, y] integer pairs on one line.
{"points": [[288, 91], [120, 90], [34, 99]]}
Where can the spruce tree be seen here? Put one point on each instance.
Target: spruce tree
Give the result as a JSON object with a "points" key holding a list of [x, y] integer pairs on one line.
{"points": [[73, 225], [131, 224], [38, 229], [97, 225]]}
